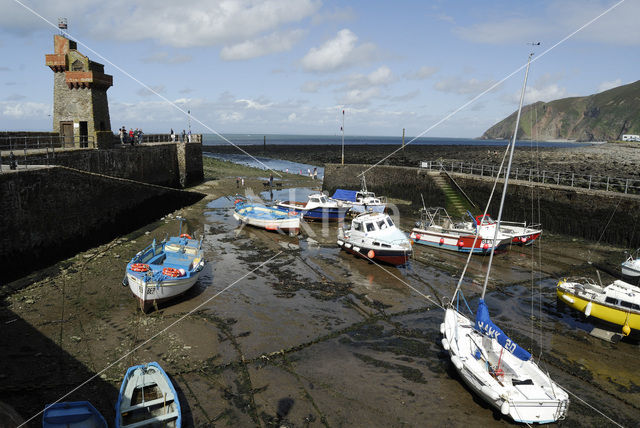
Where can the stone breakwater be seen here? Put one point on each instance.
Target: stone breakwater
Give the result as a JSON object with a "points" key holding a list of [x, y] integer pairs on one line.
{"points": [[612, 159], [590, 214]]}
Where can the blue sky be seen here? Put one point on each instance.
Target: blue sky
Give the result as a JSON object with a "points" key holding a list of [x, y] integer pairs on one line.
{"points": [[292, 66]]}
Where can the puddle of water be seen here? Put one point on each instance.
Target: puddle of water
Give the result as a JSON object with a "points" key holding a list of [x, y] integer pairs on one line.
{"points": [[268, 163]]}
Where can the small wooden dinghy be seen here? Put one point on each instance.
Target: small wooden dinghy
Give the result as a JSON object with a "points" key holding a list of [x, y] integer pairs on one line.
{"points": [[147, 399], [74, 414]]}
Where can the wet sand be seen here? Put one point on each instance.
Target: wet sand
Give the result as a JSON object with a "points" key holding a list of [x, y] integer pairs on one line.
{"points": [[314, 337]]}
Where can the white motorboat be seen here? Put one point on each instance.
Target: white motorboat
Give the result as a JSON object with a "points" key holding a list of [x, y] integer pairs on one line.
{"points": [[436, 229], [631, 267], [360, 201], [374, 236], [317, 207]]}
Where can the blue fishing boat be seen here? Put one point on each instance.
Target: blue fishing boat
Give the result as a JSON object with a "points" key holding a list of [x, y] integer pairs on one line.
{"points": [[147, 399], [76, 414], [164, 271], [269, 218], [317, 207]]}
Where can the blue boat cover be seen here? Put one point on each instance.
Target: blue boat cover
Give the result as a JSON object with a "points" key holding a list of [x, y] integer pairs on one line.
{"points": [[345, 195], [488, 328]]}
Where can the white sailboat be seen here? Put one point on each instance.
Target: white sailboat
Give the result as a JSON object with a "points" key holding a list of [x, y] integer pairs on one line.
{"points": [[490, 363]]}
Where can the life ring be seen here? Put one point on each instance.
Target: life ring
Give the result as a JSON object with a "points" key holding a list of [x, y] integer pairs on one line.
{"points": [[185, 235], [171, 272], [139, 267]]}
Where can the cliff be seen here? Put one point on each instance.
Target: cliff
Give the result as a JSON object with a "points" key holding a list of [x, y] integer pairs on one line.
{"points": [[600, 117]]}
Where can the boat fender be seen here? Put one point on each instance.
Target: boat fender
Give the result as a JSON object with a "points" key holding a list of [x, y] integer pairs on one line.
{"points": [[523, 239], [418, 237], [356, 249], [626, 329], [347, 245], [441, 328], [371, 254], [485, 247], [490, 393], [460, 243], [445, 344], [182, 272], [567, 298], [340, 243], [441, 241], [587, 309], [504, 409], [456, 362]]}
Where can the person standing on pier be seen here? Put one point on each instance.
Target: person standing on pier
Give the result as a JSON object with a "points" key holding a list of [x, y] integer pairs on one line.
{"points": [[173, 135], [271, 180]]}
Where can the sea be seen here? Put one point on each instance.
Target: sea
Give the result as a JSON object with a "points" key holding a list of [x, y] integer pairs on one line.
{"points": [[290, 139]]}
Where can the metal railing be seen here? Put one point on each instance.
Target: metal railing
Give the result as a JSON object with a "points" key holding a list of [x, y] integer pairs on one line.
{"points": [[584, 181], [45, 141]]}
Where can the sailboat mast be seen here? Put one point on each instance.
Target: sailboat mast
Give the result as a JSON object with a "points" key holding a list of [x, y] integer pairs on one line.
{"points": [[342, 129], [506, 177]]}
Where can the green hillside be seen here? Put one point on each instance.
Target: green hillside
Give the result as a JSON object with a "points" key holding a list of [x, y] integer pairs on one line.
{"points": [[599, 117]]}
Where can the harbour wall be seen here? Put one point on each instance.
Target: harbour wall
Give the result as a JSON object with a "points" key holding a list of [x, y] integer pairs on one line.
{"points": [[165, 164], [53, 212], [591, 214]]}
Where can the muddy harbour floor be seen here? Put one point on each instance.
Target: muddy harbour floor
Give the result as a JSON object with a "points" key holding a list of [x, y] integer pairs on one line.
{"points": [[292, 332]]}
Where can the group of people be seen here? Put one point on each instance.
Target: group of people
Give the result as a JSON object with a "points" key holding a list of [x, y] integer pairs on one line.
{"points": [[132, 137], [186, 137]]}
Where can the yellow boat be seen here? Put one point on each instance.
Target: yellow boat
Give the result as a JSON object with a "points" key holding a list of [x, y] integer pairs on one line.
{"points": [[617, 303]]}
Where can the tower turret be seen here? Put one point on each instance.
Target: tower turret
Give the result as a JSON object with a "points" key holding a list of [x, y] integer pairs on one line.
{"points": [[80, 106]]}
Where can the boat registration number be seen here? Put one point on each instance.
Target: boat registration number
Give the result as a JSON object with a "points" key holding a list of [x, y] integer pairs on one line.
{"points": [[150, 290]]}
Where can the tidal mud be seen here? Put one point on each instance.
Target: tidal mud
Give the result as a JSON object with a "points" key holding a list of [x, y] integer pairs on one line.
{"points": [[291, 331]]}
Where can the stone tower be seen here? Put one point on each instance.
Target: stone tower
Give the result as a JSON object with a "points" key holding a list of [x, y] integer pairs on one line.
{"points": [[80, 106]]}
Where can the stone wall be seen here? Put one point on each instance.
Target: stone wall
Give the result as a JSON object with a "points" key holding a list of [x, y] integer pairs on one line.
{"points": [[154, 164], [392, 181], [52, 212], [591, 214]]}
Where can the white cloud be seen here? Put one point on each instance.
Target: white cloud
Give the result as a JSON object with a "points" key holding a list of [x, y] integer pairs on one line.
{"points": [[24, 110], [379, 77], [255, 105], [178, 24], [422, 73], [272, 43], [292, 117], [360, 96], [605, 86], [547, 93], [457, 85], [338, 53]]}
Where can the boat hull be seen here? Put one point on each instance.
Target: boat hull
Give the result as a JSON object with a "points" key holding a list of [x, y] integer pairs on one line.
{"points": [[288, 225], [147, 398], [631, 269], [599, 310], [387, 256], [458, 243], [77, 414], [526, 239], [531, 404], [154, 293]]}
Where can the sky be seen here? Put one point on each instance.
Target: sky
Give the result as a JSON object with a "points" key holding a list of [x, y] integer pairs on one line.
{"points": [[434, 68]]}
